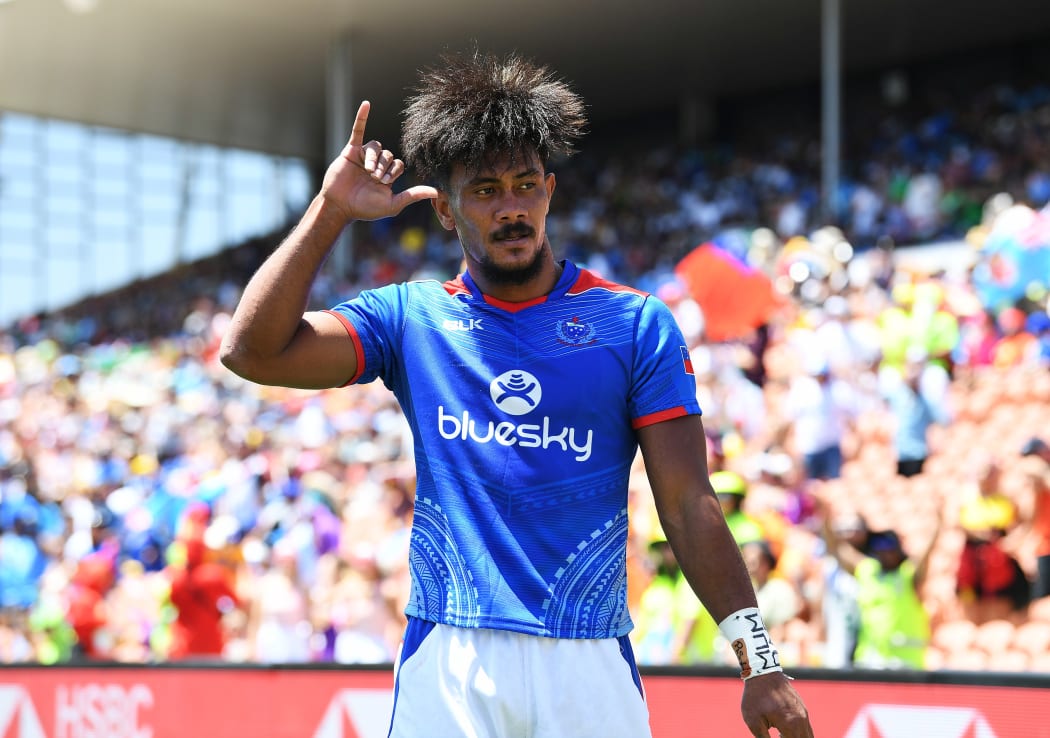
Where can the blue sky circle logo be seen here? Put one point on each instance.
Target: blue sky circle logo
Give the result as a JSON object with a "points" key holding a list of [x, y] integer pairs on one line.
{"points": [[516, 392]]}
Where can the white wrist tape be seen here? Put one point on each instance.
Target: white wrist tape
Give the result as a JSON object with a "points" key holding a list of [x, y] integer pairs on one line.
{"points": [[749, 638]]}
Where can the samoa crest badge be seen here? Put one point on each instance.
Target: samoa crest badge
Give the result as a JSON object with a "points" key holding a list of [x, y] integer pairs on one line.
{"points": [[575, 332]]}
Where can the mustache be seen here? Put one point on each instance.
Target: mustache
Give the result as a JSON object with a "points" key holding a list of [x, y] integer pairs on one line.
{"points": [[513, 230]]}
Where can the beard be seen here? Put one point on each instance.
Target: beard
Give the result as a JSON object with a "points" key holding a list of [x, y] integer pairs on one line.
{"points": [[513, 276]]}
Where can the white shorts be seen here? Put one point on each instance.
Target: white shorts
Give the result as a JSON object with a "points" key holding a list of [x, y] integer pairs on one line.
{"points": [[481, 683]]}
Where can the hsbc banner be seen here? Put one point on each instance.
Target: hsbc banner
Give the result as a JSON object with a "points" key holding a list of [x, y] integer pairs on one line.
{"points": [[166, 702], [697, 707]]}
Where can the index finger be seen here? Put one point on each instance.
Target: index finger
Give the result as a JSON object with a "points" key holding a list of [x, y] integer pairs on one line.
{"points": [[357, 136]]}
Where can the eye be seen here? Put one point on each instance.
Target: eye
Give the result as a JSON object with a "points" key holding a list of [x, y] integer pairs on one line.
{"points": [[527, 186], [483, 191]]}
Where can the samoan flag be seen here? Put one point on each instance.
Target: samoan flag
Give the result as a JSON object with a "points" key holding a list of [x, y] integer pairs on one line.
{"points": [[687, 360], [734, 297]]}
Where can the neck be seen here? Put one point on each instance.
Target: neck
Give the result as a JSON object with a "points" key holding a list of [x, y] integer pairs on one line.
{"points": [[539, 285]]}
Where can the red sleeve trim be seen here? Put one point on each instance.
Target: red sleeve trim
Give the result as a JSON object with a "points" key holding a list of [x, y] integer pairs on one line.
{"points": [[359, 350], [674, 412]]}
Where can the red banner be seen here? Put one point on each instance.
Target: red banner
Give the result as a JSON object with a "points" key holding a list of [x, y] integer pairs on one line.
{"points": [[301, 703], [695, 707]]}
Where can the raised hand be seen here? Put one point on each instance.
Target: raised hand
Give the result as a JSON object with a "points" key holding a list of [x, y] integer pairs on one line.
{"points": [[358, 183]]}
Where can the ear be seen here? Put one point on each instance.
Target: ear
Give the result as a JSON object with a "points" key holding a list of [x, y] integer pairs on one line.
{"points": [[548, 181], [443, 208]]}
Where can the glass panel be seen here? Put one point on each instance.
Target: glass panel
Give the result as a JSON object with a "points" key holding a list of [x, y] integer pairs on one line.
{"points": [[157, 247], [109, 185], [18, 139], [206, 179], [156, 200], [243, 167], [64, 174], [16, 247], [111, 149], [244, 216], [17, 125], [158, 159], [115, 260], [18, 214], [18, 295], [203, 233], [60, 204], [18, 153], [64, 138], [298, 186], [18, 181], [64, 281], [62, 240], [111, 217], [103, 206]]}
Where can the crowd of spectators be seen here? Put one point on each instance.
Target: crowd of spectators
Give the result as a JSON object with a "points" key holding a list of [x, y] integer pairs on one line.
{"points": [[153, 506]]}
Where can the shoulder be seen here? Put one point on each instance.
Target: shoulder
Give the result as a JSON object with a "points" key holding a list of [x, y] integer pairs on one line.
{"points": [[587, 281], [455, 286], [398, 294]]}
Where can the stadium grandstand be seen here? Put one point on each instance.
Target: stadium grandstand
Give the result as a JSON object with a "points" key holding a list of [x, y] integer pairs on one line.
{"points": [[876, 176]]}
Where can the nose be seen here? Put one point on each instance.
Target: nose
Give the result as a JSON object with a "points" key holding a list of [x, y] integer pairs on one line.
{"points": [[510, 206]]}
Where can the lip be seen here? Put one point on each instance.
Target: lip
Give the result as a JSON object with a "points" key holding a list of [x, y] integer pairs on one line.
{"points": [[520, 241]]}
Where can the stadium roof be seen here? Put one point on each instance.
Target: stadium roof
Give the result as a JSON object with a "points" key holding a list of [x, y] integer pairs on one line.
{"points": [[251, 73]]}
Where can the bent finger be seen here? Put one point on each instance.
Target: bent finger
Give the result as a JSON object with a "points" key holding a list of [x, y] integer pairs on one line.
{"points": [[383, 164], [397, 168], [372, 151]]}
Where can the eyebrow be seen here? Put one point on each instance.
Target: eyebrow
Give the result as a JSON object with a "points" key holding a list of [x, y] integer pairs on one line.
{"points": [[530, 172]]}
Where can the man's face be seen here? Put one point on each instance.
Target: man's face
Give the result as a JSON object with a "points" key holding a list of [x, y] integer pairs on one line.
{"points": [[756, 562], [890, 559], [499, 213]]}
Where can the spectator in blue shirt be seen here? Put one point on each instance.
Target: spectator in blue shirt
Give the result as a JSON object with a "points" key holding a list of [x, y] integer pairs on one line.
{"points": [[22, 562], [914, 413]]}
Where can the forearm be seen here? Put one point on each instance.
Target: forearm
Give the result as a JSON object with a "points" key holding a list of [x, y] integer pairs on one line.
{"points": [[708, 555], [675, 456], [270, 310]]}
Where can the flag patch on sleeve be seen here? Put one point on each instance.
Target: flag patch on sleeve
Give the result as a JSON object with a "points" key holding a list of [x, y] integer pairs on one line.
{"points": [[687, 360]]}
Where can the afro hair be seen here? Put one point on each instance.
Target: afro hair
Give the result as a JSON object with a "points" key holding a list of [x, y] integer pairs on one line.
{"points": [[478, 107]]}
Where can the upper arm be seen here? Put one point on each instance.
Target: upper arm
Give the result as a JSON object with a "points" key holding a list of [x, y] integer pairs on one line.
{"points": [[321, 354], [675, 455]]}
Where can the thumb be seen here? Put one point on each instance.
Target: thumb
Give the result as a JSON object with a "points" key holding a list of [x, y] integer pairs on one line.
{"points": [[413, 194]]}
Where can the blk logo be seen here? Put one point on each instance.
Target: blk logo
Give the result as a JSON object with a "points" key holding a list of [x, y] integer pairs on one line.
{"points": [[516, 392], [472, 324]]}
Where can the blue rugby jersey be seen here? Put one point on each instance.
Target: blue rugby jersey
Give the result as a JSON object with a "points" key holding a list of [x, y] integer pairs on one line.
{"points": [[524, 419]]}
